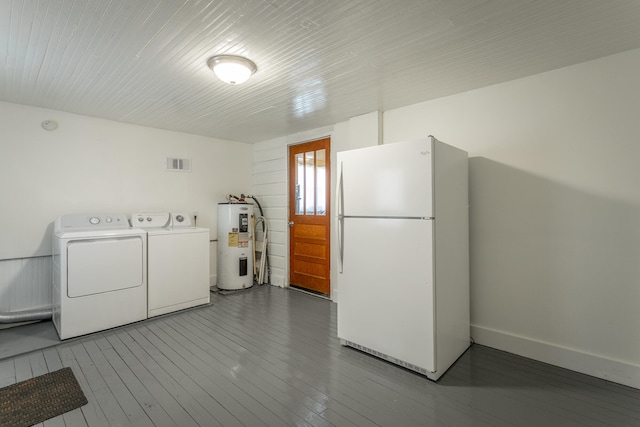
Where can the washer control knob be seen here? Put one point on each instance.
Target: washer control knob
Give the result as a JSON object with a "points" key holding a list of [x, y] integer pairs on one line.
{"points": [[94, 220], [149, 219], [179, 218], [108, 219], [140, 219]]}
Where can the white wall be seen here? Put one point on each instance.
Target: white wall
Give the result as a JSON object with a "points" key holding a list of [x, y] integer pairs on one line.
{"points": [[554, 211], [95, 165], [269, 186], [270, 183]]}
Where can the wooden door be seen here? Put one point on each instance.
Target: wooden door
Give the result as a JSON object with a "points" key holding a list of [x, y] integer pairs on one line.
{"points": [[309, 190]]}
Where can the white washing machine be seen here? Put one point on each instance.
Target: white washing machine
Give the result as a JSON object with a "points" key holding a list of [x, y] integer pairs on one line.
{"points": [[99, 274], [177, 261]]}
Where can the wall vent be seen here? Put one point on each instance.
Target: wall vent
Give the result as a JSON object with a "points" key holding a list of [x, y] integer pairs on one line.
{"points": [[386, 357], [178, 165]]}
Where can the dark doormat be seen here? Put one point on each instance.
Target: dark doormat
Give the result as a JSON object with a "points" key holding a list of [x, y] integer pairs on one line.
{"points": [[38, 399]]}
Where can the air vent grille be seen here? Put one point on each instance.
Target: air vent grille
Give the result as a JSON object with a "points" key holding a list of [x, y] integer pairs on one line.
{"points": [[386, 357], [176, 164]]}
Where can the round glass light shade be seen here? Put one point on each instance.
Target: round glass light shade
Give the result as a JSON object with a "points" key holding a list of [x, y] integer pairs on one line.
{"points": [[232, 69]]}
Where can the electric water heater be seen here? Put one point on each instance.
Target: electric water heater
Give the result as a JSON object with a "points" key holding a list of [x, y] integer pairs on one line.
{"points": [[235, 253]]}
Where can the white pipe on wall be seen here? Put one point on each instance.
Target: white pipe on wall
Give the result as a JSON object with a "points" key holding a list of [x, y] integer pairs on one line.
{"points": [[43, 313]]}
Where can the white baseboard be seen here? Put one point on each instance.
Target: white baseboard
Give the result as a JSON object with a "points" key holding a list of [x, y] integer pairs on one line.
{"points": [[278, 281], [591, 364]]}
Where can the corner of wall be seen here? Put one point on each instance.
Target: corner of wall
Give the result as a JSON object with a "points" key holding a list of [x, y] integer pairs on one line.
{"points": [[365, 130]]}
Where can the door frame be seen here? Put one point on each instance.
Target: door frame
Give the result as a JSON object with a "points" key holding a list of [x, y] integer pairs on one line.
{"points": [[330, 190]]}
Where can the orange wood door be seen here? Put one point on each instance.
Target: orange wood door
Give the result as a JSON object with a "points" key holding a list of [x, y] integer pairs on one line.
{"points": [[309, 189]]}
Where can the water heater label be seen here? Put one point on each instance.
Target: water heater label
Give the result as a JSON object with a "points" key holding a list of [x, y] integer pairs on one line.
{"points": [[238, 240]]}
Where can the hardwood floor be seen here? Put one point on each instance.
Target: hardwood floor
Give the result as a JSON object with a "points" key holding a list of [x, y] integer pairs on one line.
{"points": [[270, 357]]}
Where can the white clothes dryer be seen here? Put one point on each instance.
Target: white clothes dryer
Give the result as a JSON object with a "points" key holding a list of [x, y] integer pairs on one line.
{"points": [[99, 274], [177, 261]]}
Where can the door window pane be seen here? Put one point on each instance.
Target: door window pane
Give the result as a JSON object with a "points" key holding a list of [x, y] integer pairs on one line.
{"points": [[321, 184], [309, 176], [299, 184], [311, 183]]}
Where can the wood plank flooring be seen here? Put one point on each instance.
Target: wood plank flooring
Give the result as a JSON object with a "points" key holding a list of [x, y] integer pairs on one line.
{"points": [[270, 357]]}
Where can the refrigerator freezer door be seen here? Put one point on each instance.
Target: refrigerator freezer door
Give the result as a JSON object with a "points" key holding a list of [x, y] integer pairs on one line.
{"points": [[392, 180], [385, 290]]}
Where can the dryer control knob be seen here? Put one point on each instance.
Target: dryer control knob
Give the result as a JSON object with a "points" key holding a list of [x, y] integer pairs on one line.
{"points": [[108, 219], [179, 218], [140, 219], [94, 220]]}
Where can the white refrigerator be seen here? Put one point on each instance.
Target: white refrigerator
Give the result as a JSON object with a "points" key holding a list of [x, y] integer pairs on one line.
{"points": [[403, 262]]}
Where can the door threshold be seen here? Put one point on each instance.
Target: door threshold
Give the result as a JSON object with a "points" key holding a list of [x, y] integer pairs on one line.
{"points": [[310, 292]]}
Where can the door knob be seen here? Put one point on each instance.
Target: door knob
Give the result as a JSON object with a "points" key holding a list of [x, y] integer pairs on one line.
{"points": [[290, 223]]}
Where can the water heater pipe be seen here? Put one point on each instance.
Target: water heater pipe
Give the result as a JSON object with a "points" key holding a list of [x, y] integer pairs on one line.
{"points": [[43, 313]]}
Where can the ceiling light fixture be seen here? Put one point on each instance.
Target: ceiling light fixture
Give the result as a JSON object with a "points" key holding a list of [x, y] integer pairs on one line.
{"points": [[232, 69]]}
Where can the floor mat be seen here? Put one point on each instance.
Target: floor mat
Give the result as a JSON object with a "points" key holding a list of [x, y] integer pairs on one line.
{"points": [[38, 399]]}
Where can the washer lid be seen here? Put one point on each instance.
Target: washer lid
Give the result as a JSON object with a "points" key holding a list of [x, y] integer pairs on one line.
{"points": [[176, 231]]}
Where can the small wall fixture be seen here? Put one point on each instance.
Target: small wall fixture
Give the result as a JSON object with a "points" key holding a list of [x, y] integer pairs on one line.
{"points": [[49, 125], [232, 69]]}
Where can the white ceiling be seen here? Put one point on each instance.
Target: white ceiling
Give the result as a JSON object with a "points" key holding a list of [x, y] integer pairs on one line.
{"points": [[319, 61]]}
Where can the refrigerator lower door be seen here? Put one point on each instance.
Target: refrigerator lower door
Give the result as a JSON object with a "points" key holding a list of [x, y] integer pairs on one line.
{"points": [[385, 290]]}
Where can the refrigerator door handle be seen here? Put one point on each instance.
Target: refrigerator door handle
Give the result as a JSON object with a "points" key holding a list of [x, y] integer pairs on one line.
{"points": [[340, 203], [341, 244]]}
